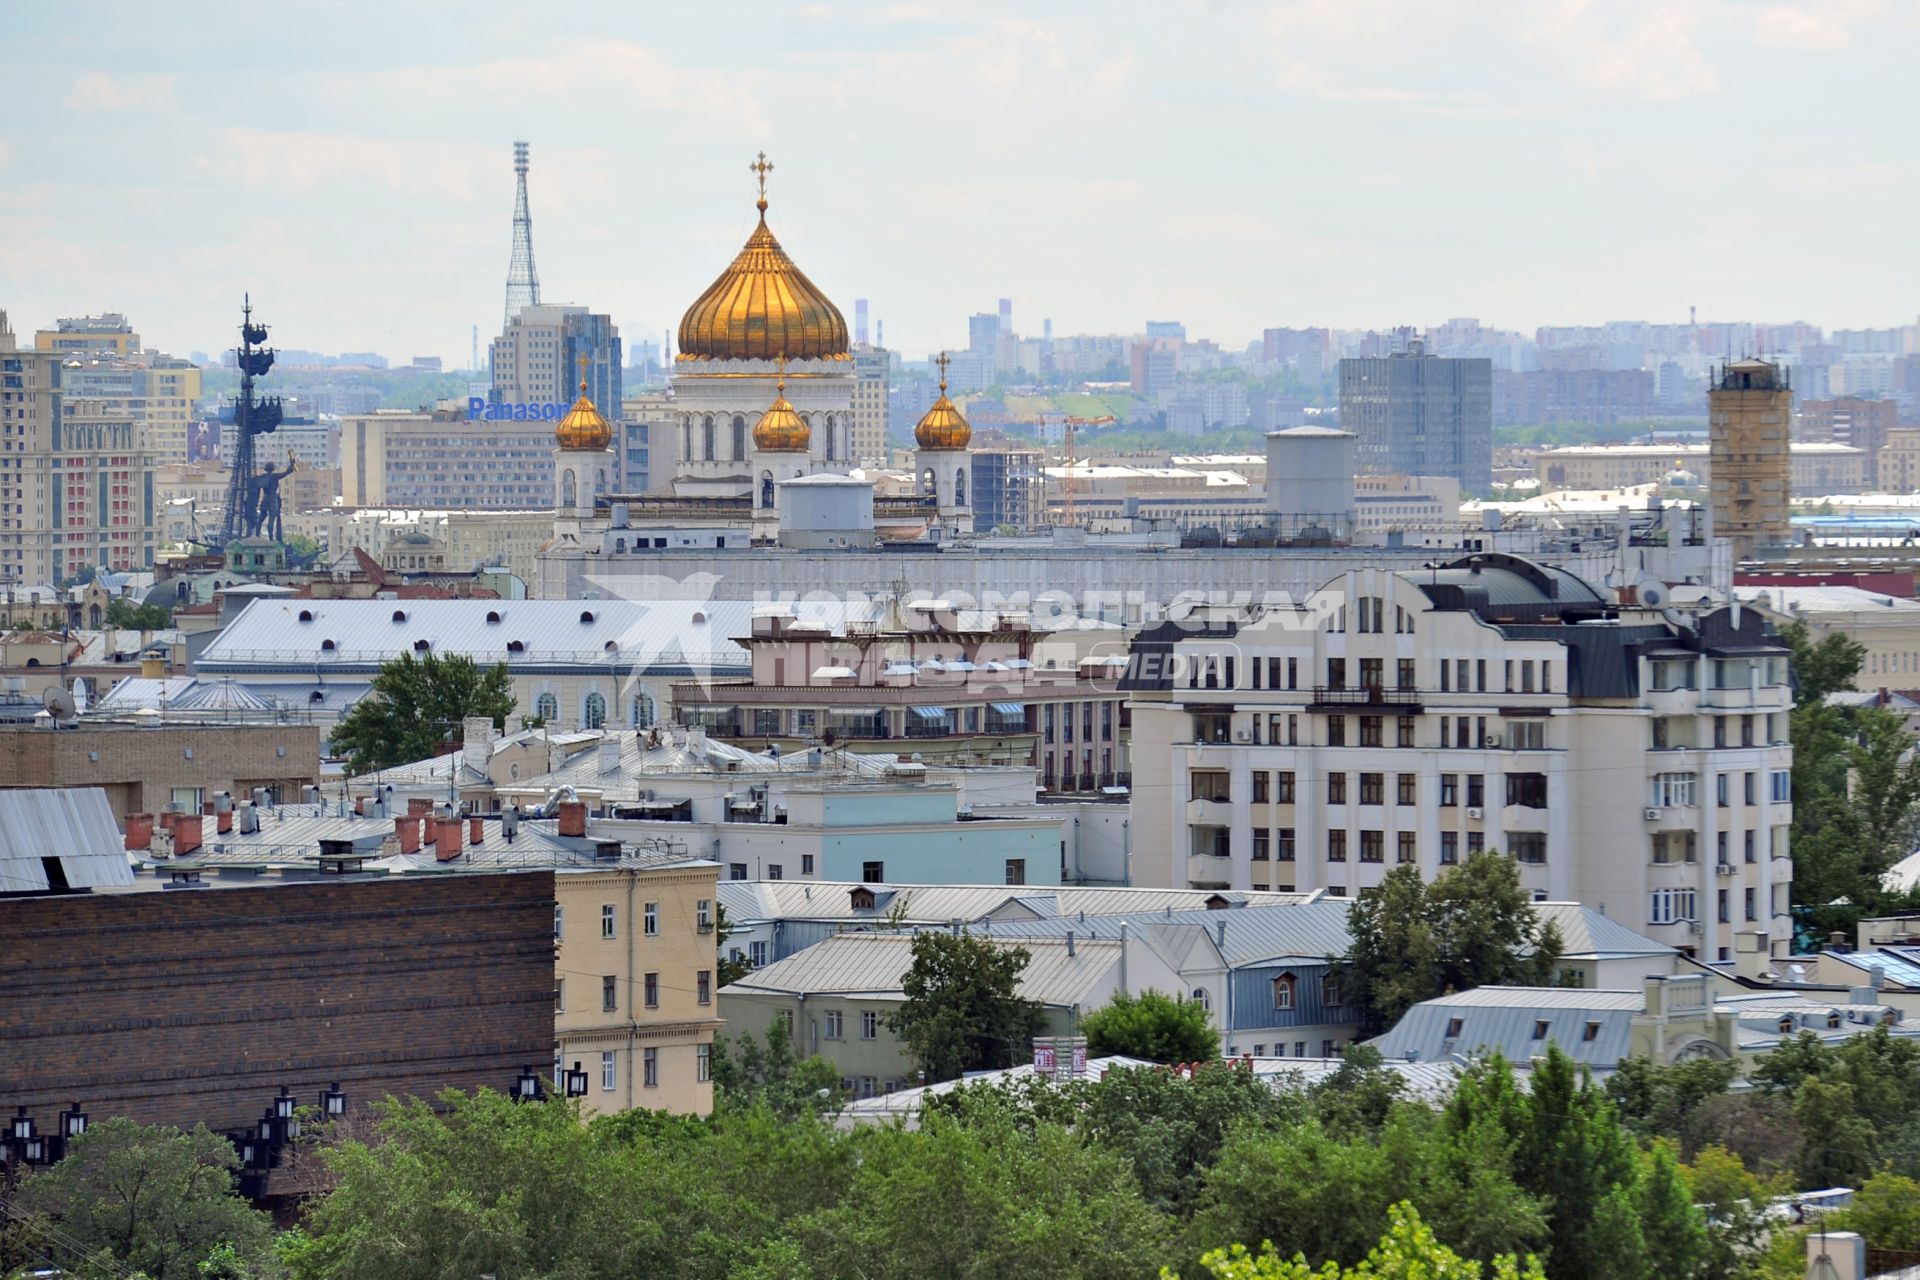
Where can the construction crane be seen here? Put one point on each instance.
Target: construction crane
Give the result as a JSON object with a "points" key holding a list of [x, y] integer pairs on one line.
{"points": [[1067, 483]]}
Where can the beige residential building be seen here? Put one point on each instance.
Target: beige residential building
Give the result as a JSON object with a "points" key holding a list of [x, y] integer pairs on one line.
{"points": [[103, 360], [1750, 419], [456, 541], [1816, 467], [1623, 761], [441, 459], [872, 375], [634, 992], [1887, 627]]}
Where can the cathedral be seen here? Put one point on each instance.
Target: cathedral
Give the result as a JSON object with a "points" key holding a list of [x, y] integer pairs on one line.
{"points": [[762, 391]]}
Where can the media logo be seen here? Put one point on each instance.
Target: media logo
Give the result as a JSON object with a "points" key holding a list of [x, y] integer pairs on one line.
{"points": [[480, 410]]}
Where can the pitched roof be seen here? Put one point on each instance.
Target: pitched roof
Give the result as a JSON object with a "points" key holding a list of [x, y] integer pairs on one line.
{"points": [[876, 965], [72, 827]]}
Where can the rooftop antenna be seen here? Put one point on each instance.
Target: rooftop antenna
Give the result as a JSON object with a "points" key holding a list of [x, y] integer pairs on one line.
{"points": [[523, 282]]}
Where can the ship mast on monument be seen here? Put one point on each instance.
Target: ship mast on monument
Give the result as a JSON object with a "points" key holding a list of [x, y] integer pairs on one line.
{"points": [[253, 500]]}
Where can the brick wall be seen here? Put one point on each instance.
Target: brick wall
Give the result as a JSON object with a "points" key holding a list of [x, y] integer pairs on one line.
{"points": [[176, 1006], [139, 768]]}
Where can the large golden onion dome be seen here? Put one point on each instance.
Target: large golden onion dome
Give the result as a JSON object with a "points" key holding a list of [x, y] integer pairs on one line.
{"points": [[943, 427], [780, 429], [763, 306], [583, 427]]}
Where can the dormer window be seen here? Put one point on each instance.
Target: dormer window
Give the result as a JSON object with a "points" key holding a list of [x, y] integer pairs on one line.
{"points": [[586, 616], [421, 646], [399, 615], [1786, 1024], [306, 615], [861, 898], [328, 646], [1833, 1022], [1283, 991], [516, 646], [493, 615]]}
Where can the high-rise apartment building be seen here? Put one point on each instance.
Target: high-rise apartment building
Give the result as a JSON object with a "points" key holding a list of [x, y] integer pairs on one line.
{"points": [[442, 460], [1421, 415], [983, 336], [104, 361], [536, 359], [1623, 761], [1749, 421], [872, 378], [76, 486], [1008, 489], [1153, 367], [101, 335]]}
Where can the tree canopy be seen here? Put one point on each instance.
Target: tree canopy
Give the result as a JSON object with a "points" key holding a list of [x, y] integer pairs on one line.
{"points": [[962, 1010], [129, 616], [416, 706], [1152, 1026], [1471, 926]]}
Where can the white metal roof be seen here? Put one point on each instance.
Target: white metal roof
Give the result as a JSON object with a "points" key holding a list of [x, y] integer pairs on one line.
{"points": [[72, 824]]}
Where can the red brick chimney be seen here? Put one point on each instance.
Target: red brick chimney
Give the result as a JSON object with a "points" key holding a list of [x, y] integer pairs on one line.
{"points": [[573, 818], [449, 847], [418, 806], [167, 817], [475, 831], [139, 831], [186, 834], [408, 829]]}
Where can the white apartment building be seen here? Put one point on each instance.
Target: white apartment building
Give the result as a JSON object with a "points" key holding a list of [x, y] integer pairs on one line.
{"points": [[1628, 762], [442, 460]]}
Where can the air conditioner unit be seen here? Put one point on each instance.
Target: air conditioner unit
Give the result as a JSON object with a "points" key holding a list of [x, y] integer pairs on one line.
{"points": [[1490, 740], [1652, 813], [1723, 869], [1695, 928], [1476, 813], [1243, 736]]}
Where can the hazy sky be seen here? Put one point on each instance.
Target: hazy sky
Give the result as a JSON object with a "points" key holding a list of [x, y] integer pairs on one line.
{"points": [[1344, 162]]}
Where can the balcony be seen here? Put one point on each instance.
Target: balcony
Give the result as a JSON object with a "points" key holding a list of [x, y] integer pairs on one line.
{"points": [[1338, 698], [1207, 871], [1207, 813]]}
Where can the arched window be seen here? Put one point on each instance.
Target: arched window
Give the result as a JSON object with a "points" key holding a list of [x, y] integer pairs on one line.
{"points": [[960, 487], [1283, 991], [739, 437], [1833, 1022], [547, 708], [642, 717], [686, 435], [927, 483], [1201, 998], [766, 488], [567, 488], [593, 712], [1786, 1024], [706, 438], [1329, 990]]}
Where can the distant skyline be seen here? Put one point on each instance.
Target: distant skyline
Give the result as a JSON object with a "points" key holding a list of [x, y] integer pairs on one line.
{"points": [[1353, 163]]}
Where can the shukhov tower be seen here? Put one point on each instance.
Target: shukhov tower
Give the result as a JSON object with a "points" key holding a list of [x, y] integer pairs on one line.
{"points": [[523, 282]]}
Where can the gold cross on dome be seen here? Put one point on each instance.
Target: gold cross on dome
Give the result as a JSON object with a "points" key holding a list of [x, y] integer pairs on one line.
{"points": [[582, 362], [761, 167], [942, 361]]}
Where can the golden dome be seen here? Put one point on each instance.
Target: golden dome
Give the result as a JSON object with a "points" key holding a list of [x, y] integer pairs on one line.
{"points": [[943, 427], [762, 307], [780, 429], [583, 427]]}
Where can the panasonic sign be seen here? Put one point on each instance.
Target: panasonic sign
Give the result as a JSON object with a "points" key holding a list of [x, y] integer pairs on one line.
{"points": [[479, 410]]}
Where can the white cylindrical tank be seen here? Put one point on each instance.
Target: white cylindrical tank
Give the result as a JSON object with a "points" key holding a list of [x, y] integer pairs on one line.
{"points": [[1310, 480]]}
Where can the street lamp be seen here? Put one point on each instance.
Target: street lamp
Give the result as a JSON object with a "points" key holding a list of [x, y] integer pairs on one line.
{"points": [[333, 1103], [527, 1087], [73, 1122], [283, 1112], [576, 1082], [20, 1128]]}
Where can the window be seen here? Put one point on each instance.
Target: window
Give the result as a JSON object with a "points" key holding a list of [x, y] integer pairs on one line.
{"points": [[650, 1067], [1591, 1032], [1371, 613], [1016, 870], [546, 708], [1719, 731], [835, 1028], [1284, 846], [806, 864], [650, 919], [1476, 790], [609, 1070], [1336, 731], [559, 920], [1262, 844], [609, 995], [1781, 789], [1454, 1026], [1283, 787], [1540, 1026], [1527, 735], [756, 954], [1201, 998], [1747, 841], [1675, 846], [1449, 790], [1283, 992], [1373, 846], [1372, 788], [1260, 784], [1403, 731], [1750, 787], [1671, 790], [873, 873], [1336, 673], [1326, 1048], [1404, 848], [869, 1025], [1336, 788], [1370, 731], [1670, 906], [593, 713], [1752, 905], [1720, 789], [1336, 846], [736, 871], [607, 918], [703, 1063], [650, 990], [703, 986], [559, 995], [1720, 907], [1476, 841], [703, 915], [1404, 673], [1372, 673], [1674, 674], [1529, 790], [1529, 847], [775, 871], [1329, 991], [1406, 788], [1209, 784]]}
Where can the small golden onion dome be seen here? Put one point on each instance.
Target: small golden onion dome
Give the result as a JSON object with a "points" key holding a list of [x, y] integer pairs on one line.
{"points": [[583, 427], [780, 429], [943, 427], [762, 307]]}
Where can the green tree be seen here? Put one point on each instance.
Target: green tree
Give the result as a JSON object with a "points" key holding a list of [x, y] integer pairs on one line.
{"points": [[416, 704], [1472, 926], [127, 615], [155, 1200], [767, 1072], [726, 970], [1655, 1100], [1734, 1202], [962, 1010], [1409, 1251], [1152, 1026], [1886, 1210], [1821, 667]]}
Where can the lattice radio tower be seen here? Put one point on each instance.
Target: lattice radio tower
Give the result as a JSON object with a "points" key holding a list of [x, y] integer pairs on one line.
{"points": [[523, 282]]}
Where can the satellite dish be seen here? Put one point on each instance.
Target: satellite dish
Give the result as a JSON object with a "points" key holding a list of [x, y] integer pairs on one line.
{"points": [[1651, 592], [59, 702]]}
